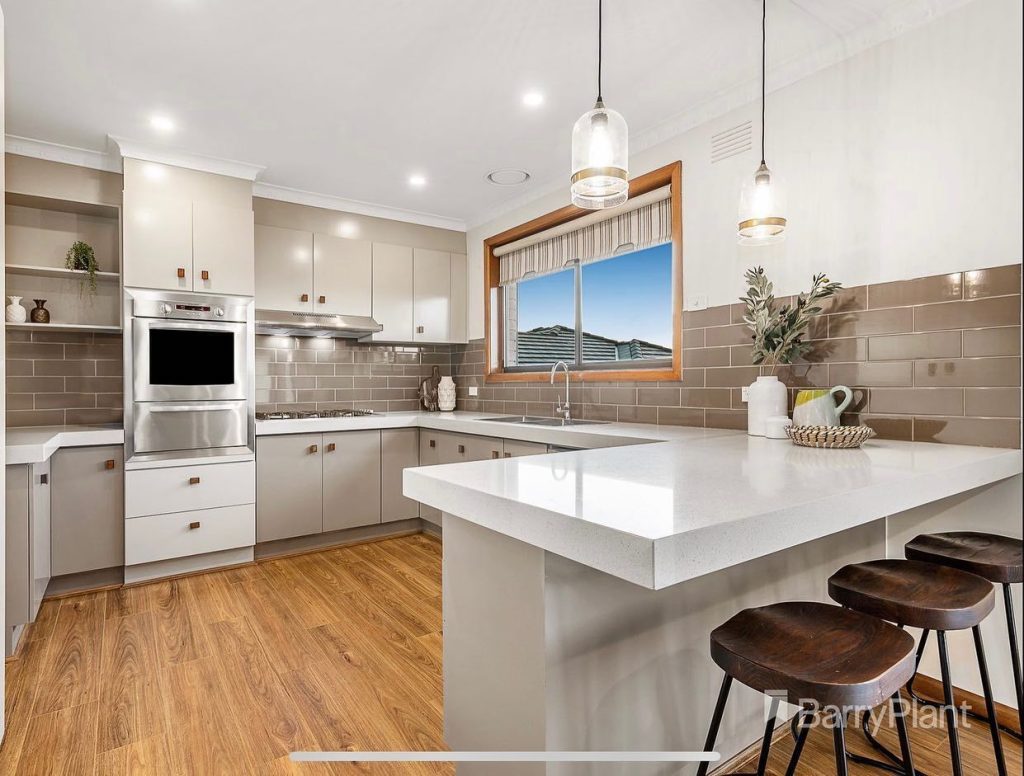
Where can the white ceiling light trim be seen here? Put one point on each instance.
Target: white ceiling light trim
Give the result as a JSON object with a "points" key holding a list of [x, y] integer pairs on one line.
{"points": [[356, 207], [55, 152], [148, 152]]}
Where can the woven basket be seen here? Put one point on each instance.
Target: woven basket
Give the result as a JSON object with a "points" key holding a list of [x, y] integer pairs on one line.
{"points": [[838, 437]]}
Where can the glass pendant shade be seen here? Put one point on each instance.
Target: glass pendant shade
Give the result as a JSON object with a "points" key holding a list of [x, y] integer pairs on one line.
{"points": [[600, 153], [762, 204]]}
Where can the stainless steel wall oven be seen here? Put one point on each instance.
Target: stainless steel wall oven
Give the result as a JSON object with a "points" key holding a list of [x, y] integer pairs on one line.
{"points": [[189, 381]]}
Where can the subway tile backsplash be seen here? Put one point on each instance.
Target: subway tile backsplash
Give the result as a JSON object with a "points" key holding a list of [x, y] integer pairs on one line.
{"points": [[933, 359]]}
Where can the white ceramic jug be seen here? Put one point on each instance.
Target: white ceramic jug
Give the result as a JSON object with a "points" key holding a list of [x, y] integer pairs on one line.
{"points": [[818, 408]]}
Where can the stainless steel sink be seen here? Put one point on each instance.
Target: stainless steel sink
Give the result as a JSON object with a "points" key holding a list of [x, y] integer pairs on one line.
{"points": [[532, 420]]}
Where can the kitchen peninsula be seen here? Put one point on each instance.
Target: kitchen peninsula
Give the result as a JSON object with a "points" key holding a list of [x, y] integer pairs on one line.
{"points": [[580, 588]]}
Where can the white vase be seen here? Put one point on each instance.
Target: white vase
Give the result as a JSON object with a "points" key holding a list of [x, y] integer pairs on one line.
{"points": [[15, 312], [766, 398], [446, 394]]}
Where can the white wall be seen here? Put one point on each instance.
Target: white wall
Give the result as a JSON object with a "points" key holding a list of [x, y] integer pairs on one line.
{"points": [[902, 161]]}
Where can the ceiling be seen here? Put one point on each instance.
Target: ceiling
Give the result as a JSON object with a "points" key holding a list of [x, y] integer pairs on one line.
{"points": [[350, 98]]}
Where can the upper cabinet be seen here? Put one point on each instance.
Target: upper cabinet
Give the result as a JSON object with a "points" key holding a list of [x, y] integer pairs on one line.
{"points": [[186, 230], [284, 269], [419, 295], [342, 275]]}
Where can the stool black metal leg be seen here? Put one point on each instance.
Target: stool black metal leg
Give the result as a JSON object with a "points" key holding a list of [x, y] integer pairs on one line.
{"points": [[804, 723], [716, 721], [899, 711], [839, 742], [766, 742], [1011, 628], [990, 704], [950, 708]]}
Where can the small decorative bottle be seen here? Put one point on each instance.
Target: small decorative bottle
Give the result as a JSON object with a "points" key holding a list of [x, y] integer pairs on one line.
{"points": [[446, 394], [15, 313], [39, 313], [766, 398]]}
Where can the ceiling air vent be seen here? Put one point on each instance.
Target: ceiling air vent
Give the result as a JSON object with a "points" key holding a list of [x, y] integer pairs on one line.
{"points": [[732, 141]]}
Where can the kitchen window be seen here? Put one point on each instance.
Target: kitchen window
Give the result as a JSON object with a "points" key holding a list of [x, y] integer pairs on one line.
{"points": [[600, 291]]}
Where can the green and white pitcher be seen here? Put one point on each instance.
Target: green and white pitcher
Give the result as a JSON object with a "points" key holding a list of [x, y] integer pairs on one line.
{"points": [[818, 408]]}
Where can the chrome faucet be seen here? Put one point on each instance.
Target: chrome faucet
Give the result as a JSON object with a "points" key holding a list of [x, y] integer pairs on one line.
{"points": [[562, 409]]}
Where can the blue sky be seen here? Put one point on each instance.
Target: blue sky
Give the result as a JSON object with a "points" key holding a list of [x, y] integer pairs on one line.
{"points": [[625, 297]]}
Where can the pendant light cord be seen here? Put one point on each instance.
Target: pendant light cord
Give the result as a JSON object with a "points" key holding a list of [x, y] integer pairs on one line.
{"points": [[764, 22], [600, 37]]}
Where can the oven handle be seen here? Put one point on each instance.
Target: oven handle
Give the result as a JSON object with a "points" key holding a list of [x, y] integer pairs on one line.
{"points": [[194, 407]]}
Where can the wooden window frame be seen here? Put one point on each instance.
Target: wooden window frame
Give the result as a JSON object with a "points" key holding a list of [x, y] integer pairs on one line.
{"points": [[669, 175]]}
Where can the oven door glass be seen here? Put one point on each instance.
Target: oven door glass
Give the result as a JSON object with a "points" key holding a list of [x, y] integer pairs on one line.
{"points": [[179, 361]]}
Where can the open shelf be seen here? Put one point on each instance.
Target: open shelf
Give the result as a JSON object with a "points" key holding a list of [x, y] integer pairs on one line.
{"points": [[37, 270], [58, 326], [96, 209]]}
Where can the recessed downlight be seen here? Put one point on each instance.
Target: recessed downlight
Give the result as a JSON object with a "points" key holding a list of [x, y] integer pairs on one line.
{"points": [[533, 99], [508, 177], [417, 181], [161, 123]]}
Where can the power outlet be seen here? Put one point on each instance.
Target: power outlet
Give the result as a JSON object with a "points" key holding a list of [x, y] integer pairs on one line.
{"points": [[744, 393], [474, 391], [698, 302]]}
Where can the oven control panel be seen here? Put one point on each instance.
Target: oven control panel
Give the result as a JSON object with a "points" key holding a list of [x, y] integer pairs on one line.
{"points": [[192, 309]]}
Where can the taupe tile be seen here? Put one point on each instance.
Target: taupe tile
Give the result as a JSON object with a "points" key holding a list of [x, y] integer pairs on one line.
{"points": [[987, 432], [19, 367], [692, 338], [110, 400], [730, 376], [734, 419], [706, 357], [917, 401], [869, 373], [680, 416], [20, 401], [739, 355], [637, 414], [93, 384], [995, 281], [618, 396], [35, 384], [307, 369], [712, 316], [96, 416], [315, 395], [975, 314], [804, 375], [847, 300], [706, 397], [600, 412], [34, 350], [737, 334], [659, 397], [890, 321], [968, 372], [16, 418], [992, 402], [1004, 341], [107, 352], [886, 427], [844, 349], [941, 344], [902, 293], [56, 401]]}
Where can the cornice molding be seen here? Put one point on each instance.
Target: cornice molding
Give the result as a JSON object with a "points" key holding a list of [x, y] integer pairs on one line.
{"points": [[355, 206], [147, 152], [55, 152]]}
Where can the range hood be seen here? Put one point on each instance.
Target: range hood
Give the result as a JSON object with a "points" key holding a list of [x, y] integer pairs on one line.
{"points": [[315, 324]]}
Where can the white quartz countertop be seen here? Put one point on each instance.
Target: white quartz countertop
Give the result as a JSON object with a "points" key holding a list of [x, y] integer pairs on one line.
{"points": [[38, 443], [660, 514]]}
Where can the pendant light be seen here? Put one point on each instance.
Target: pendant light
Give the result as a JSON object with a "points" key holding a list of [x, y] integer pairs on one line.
{"points": [[762, 203], [600, 149]]}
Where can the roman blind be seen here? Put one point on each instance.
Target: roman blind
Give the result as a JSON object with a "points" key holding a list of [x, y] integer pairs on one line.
{"points": [[641, 223]]}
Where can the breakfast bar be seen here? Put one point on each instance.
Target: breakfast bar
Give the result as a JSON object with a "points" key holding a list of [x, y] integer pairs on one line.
{"points": [[580, 588]]}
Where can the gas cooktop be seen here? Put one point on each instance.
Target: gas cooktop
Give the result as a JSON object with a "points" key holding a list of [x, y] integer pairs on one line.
{"points": [[303, 415]]}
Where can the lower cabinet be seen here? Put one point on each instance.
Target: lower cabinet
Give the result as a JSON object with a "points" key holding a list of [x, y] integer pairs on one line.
{"points": [[516, 449], [351, 479], [87, 509], [289, 486], [183, 534], [27, 570], [399, 450]]}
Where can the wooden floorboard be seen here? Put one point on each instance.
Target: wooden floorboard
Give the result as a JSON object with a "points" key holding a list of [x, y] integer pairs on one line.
{"points": [[228, 672]]}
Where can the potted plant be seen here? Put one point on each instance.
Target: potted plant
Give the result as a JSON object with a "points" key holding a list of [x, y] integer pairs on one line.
{"points": [[778, 335], [80, 256]]}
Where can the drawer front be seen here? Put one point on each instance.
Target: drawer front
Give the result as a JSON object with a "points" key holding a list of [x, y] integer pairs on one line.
{"points": [[183, 488], [159, 537]]}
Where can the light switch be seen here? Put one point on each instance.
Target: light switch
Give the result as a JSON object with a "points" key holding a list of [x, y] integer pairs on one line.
{"points": [[474, 391]]}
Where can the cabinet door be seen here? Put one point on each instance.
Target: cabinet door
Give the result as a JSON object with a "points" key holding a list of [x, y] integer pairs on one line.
{"points": [[222, 249], [40, 533], [457, 316], [342, 275], [284, 269], [87, 509], [18, 571], [351, 479], [392, 292], [430, 454], [399, 450], [157, 242], [432, 290], [515, 448], [479, 448], [289, 486]]}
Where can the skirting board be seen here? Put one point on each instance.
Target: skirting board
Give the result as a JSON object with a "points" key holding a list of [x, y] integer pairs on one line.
{"points": [[367, 533], [145, 572]]}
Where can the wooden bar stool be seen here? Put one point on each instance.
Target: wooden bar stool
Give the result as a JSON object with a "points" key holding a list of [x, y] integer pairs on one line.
{"points": [[815, 655], [999, 559], [931, 597]]}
